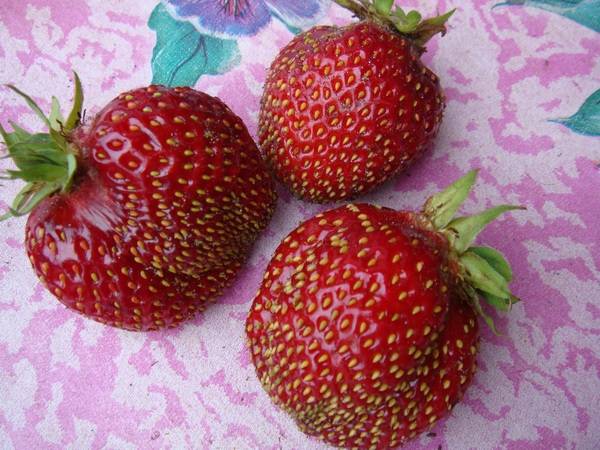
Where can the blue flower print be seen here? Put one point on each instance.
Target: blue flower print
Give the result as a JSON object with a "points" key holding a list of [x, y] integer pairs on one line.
{"points": [[199, 37], [234, 18]]}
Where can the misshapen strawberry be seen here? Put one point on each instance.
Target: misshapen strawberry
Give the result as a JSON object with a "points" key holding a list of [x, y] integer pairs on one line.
{"points": [[364, 329], [141, 217], [344, 109]]}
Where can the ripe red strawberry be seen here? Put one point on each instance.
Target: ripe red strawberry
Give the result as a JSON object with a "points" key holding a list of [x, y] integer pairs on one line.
{"points": [[344, 109], [142, 216], [364, 329]]}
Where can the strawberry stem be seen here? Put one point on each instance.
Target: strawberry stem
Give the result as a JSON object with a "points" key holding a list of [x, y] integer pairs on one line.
{"points": [[46, 161], [409, 24], [482, 272], [358, 10], [466, 229], [443, 206]]}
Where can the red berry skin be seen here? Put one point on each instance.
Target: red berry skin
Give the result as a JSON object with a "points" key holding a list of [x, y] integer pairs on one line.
{"points": [[172, 193], [355, 331], [344, 109]]}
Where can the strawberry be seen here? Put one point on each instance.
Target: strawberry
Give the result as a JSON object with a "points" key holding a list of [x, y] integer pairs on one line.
{"points": [[364, 329], [142, 216], [344, 109]]}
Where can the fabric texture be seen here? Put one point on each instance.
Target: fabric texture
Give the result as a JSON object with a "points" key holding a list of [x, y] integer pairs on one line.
{"points": [[517, 78]]}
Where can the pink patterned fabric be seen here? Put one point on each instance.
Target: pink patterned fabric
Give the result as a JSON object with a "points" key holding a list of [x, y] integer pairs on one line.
{"points": [[67, 382]]}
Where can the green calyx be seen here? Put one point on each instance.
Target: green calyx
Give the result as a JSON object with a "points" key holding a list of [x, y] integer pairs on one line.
{"points": [[482, 272], [408, 23], [47, 162]]}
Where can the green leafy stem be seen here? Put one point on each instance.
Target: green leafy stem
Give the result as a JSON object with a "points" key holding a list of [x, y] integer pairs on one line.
{"points": [[410, 24], [47, 162], [483, 272]]}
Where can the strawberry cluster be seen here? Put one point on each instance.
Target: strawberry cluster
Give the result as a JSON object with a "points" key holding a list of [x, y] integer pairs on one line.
{"points": [[365, 326]]}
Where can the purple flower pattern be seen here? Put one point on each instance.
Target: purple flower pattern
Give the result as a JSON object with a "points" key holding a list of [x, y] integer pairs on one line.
{"points": [[235, 18]]}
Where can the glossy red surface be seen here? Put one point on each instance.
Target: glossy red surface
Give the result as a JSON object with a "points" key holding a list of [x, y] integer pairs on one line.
{"points": [[171, 195], [354, 331], [346, 108]]}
